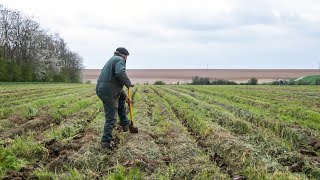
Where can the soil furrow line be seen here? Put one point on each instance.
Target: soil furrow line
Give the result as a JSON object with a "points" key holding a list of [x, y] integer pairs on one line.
{"points": [[214, 157]]}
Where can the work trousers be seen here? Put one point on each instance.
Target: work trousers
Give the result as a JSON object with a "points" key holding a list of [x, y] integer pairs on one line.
{"points": [[113, 104]]}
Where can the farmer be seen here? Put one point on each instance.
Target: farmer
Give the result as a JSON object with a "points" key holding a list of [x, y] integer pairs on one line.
{"points": [[109, 89]]}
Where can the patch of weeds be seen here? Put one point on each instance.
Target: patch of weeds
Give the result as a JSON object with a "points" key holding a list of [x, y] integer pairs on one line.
{"points": [[43, 173], [28, 112], [210, 173], [26, 147], [53, 134], [32, 112], [74, 174], [4, 113], [122, 174], [135, 174], [56, 116], [66, 132], [8, 161], [6, 125], [169, 173]]}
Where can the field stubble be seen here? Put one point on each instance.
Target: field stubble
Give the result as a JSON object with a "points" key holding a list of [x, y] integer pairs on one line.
{"points": [[185, 132]]}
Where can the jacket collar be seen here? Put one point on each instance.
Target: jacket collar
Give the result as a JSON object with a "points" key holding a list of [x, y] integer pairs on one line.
{"points": [[116, 53]]}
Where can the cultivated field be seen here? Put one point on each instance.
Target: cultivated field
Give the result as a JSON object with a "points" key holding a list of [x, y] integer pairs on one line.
{"points": [[185, 75], [52, 131]]}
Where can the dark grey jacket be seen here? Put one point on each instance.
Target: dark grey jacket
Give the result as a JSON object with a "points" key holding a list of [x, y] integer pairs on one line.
{"points": [[113, 77]]}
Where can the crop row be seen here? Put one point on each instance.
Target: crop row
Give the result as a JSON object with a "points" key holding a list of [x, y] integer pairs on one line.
{"points": [[31, 108], [256, 115], [240, 155], [285, 112], [263, 134], [270, 96], [18, 154]]}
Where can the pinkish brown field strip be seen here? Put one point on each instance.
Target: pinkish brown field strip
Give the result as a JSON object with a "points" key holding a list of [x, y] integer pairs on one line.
{"points": [[185, 75]]}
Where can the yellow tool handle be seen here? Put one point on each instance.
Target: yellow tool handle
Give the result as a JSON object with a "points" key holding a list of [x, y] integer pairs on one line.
{"points": [[130, 107]]}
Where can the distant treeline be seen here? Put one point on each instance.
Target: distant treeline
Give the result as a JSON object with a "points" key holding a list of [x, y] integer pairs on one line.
{"points": [[29, 53], [206, 81], [307, 80]]}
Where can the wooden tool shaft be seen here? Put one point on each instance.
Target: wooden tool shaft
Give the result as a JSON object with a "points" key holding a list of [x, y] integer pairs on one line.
{"points": [[130, 107]]}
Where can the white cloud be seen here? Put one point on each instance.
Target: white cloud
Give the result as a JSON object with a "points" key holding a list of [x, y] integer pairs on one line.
{"points": [[226, 34]]}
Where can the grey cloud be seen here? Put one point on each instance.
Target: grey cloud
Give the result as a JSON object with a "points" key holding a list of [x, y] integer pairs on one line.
{"points": [[233, 27], [301, 26], [229, 22], [196, 24]]}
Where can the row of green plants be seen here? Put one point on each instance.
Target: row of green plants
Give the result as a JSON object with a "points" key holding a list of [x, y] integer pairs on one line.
{"points": [[287, 91], [21, 152], [32, 108], [299, 136], [261, 135], [22, 91], [68, 135], [20, 87], [258, 117], [286, 112], [29, 97], [140, 156], [72, 126], [81, 118], [177, 144], [235, 152], [25, 150], [269, 95]]}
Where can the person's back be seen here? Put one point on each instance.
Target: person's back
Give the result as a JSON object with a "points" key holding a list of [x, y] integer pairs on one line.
{"points": [[108, 72], [113, 76]]}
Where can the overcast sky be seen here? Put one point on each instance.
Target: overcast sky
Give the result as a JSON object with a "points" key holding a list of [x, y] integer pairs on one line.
{"points": [[185, 33]]}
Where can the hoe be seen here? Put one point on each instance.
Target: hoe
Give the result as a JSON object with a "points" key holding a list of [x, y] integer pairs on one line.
{"points": [[132, 129]]}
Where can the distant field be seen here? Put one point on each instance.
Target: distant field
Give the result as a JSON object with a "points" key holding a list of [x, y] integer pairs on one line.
{"points": [[52, 131], [185, 75]]}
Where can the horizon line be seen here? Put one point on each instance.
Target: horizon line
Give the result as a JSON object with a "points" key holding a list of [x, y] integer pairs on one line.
{"points": [[214, 68]]}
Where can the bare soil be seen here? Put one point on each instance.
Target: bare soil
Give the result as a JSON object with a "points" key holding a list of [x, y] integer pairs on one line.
{"points": [[185, 75]]}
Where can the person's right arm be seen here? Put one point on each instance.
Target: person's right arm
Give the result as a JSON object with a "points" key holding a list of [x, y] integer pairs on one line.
{"points": [[120, 71]]}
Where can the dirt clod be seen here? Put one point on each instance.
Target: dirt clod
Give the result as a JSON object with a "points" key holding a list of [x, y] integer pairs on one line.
{"points": [[317, 146], [23, 173], [297, 167], [308, 152], [166, 159], [54, 148]]}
